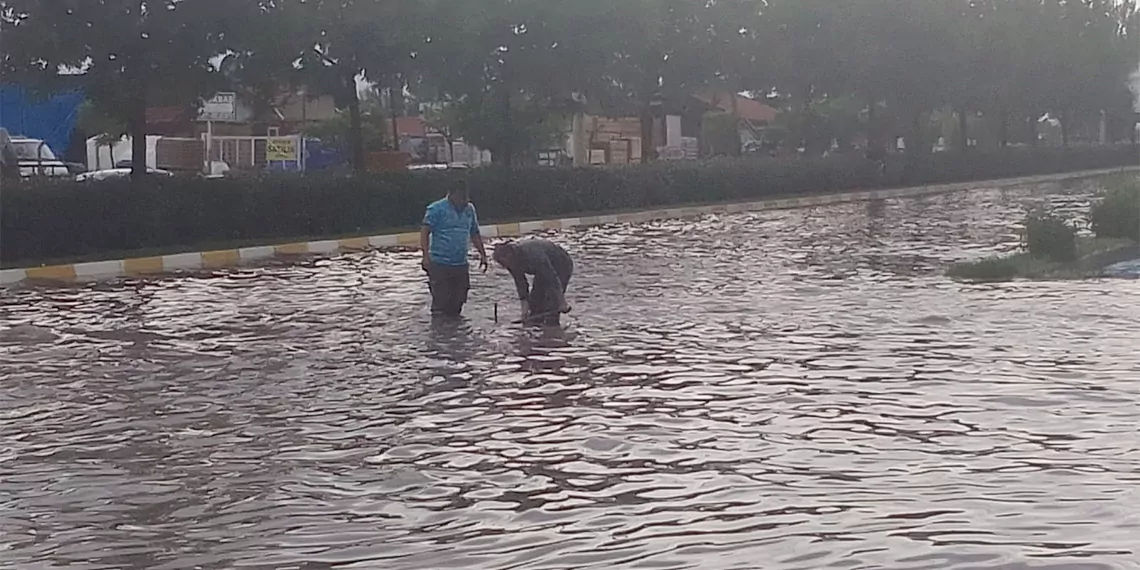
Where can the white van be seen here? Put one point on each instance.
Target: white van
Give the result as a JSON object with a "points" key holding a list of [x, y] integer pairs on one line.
{"points": [[36, 158]]}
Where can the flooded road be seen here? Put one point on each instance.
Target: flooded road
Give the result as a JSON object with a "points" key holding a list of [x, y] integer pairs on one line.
{"points": [[778, 390]]}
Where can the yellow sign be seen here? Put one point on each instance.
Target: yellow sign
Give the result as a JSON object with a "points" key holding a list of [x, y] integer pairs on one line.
{"points": [[281, 150]]}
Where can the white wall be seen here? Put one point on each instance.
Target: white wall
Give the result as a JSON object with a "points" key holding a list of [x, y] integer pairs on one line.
{"points": [[101, 157]]}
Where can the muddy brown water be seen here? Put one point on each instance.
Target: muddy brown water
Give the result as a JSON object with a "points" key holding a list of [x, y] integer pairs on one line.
{"points": [[780, 390]]}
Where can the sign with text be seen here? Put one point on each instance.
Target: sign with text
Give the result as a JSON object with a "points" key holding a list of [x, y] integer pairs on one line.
{"points": [[280, 150], [220, 107]]}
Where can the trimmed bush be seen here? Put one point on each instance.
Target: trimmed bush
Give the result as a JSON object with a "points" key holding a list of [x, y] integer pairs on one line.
{"points": [[1048, 236], [65, 220], [1117, 214]]}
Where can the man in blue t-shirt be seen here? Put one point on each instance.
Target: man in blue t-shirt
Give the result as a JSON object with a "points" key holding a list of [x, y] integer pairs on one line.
{"points": [[449, 227]]}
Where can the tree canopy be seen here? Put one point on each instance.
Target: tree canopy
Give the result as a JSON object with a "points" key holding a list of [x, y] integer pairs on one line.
{"points": [[126, 54], [510, 71]]}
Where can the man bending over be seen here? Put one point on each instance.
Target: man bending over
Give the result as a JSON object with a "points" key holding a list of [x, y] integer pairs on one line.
{"points": [[551, 267]]}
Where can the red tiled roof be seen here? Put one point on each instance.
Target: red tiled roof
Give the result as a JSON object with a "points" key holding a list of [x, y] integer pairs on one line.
{"points": [[167, 114], [746, 108], [411, 126]]}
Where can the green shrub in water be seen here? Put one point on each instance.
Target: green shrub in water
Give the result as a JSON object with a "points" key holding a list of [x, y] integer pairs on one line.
{"points": [[1117, 214], [992, 269], [1048, 236]]}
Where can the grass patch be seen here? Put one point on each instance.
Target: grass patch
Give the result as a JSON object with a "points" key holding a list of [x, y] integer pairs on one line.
{"points": [[1093, 255]]}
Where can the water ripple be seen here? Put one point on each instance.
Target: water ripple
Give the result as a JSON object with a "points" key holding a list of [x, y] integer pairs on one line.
{"points": [[778, 390]]}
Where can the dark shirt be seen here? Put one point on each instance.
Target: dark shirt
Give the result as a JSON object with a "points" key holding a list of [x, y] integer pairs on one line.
{"points": [[549, 263]]}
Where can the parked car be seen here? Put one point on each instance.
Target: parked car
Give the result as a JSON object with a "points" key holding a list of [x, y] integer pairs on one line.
{"points": [[438, 166], [36, 158], [118, 173]]}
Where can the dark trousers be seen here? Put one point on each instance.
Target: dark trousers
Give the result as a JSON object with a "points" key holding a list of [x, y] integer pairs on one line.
{"points": [[449, 285], [543, 301]]}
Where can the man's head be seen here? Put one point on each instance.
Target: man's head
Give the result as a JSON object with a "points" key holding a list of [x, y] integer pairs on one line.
{"points": [[506, 254], [458, 195]]}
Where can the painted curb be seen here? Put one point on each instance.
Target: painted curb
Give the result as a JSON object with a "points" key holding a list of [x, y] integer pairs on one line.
{"points": [[207, 260]]}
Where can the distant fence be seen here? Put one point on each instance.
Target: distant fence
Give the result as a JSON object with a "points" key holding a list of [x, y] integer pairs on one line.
{"points": [[258, 153]]}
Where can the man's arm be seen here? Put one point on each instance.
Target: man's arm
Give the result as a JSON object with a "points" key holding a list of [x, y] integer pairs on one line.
{"points": [[521, 285], [425, 245], [523, 289], [477, 238], [425, 239]]}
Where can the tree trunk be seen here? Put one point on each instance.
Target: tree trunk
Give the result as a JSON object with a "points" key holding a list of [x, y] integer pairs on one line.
{"points": [[356, 131], [737, 149], [581, 147], [396, 97], [920, 145], [1063, 120], [136, 124], [648, 147], [917, 149], [396, 108], [395, 134], [506, 128], [876, 148], [393, 112], [1003, 128], [963, 131]]}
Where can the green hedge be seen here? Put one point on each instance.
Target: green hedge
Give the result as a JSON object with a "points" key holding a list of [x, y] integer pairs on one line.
{"points": [[66, 220]]}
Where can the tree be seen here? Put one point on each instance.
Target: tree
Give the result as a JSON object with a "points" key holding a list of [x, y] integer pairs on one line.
{"points": [[106, 127], [338, 132], [509, 71], [126, 54], [809, 45], [345, 41], [266, 57], [667, 50]]}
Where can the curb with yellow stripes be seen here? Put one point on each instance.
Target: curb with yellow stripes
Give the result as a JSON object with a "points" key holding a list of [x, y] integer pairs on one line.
{"points": [[221, 259]]}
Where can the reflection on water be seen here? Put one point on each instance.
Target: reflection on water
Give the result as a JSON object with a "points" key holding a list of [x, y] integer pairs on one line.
{"points": [[779, 390]]}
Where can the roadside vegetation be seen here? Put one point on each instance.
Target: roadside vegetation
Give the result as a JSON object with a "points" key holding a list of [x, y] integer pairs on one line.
{"points": [[41, 223], [1052, 247]]}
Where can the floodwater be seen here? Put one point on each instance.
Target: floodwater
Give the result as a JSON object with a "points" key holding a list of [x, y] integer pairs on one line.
{"points": [[778, 390]]}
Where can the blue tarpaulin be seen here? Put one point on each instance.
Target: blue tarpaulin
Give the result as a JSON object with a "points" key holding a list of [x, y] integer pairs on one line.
{"points": [[319, 156], [51, 120]]}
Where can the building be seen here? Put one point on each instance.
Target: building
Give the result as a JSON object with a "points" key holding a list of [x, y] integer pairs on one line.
{"points": [[240, 140], [751, 118], [288, 114], [676, 135]]}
